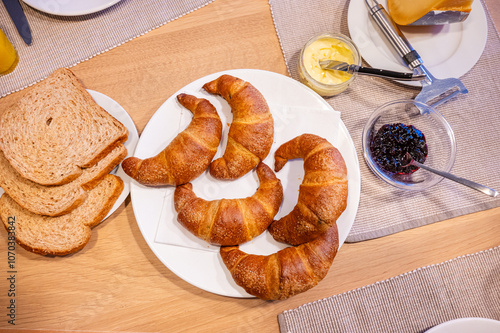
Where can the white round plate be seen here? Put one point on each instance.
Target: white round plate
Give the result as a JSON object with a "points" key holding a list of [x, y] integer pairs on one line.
{"points": [[70, 7], [115, 109], [202, 268], [447, 51], [467, 325]]}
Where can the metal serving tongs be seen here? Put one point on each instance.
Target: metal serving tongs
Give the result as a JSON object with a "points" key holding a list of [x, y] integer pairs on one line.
{"points": [[434, 91], [336, 65]]}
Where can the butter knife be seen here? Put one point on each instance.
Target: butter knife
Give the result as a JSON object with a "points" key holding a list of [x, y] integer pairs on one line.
{"points": [[382, 73], [20, 21]]}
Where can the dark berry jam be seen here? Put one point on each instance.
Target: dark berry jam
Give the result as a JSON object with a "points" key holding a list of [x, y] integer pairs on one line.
{"points": [[391, 143]]}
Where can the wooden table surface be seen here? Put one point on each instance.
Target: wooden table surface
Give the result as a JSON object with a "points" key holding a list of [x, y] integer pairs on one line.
{"points": [[116, 283]]}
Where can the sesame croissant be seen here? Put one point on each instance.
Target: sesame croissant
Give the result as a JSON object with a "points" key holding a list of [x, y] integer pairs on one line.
{"points": [[230, 221], [322, 194], [251, 131], [188, 155], [285, 273]]}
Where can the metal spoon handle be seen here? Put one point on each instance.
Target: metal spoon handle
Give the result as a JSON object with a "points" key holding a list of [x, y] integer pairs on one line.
{"points": [[481, 188]]}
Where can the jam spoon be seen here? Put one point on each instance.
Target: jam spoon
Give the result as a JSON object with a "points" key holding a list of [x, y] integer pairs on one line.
{"points": [[481, 188]]}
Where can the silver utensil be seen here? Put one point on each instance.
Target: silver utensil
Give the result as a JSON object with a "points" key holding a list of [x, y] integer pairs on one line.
{"points": [[16, 13], [434, 91], [336, 65], [441, 17], [478, 187]]}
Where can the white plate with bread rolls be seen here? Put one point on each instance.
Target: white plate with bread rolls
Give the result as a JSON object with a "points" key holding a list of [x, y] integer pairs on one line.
{"points": [[449, 50], [296, 109]]}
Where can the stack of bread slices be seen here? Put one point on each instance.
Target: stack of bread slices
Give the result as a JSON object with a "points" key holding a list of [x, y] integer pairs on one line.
{"points": [[57, 147]]}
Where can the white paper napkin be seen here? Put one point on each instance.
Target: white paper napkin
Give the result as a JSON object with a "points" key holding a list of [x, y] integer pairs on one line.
{"points": [[290, 122]]}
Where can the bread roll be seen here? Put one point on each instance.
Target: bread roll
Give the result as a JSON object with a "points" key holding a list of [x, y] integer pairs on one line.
{"points": [[429, 12]]}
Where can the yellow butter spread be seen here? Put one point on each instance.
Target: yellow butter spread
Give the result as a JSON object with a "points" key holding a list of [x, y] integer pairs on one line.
{"points": [[327, 49], [405, 12]]}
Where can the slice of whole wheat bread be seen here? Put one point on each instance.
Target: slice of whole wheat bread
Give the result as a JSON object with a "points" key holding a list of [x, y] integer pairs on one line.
{"points": [[56, 200], [63, 234], [56, 129]]}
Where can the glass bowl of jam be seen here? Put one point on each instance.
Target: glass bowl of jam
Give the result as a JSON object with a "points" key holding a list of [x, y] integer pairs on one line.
{"points": [[403, 129]]}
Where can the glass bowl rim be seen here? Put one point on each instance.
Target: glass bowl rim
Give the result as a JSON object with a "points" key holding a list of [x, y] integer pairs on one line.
{"points": [[335, 35]]}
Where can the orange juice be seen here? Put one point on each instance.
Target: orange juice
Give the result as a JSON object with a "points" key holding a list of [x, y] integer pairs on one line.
{"points": [[8, 55]]}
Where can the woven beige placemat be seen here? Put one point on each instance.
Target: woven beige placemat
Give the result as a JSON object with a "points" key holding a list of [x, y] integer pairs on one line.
{"points": [[474, 118], [60, 41], [467, 286]]}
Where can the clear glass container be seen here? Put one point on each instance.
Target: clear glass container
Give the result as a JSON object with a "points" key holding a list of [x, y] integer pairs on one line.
{"points": [[438, 134], [325, 46]]}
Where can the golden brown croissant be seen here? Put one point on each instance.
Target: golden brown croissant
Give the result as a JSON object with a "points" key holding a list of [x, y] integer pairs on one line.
{"points": [[285, 273], [230, 221], [251, 132], [322, 194], [187, 155]]}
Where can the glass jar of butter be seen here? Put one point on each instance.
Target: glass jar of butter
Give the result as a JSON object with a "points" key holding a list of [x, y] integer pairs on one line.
{"points": [[327, 46]]}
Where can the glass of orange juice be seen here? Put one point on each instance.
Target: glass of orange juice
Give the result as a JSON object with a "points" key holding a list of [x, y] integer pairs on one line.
{"points": [[8, 55]]}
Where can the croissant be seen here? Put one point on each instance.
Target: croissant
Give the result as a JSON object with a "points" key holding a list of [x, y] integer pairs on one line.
{"points": [[188, 155], [285, 273], [230, 221], [322, 194], [251, 132]]}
